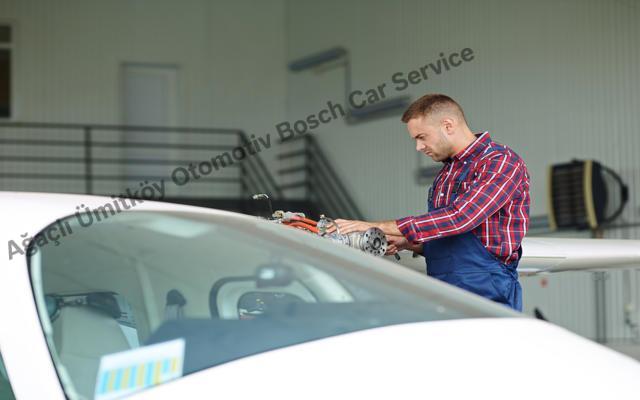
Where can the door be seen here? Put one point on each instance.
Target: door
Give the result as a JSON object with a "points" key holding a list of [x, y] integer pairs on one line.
{"points": [[149, 98]]}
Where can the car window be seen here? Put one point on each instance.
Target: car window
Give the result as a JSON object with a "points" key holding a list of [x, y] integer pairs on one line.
{"points": [[6, 392], [145, 297]]}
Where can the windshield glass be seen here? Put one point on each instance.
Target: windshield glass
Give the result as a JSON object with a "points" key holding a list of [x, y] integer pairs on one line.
{"points": [[146, 297]]}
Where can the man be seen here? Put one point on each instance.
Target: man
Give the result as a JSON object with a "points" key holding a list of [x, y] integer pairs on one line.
{"points": [[478, 205]]}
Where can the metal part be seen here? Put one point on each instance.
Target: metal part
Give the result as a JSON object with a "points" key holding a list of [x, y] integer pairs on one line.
{"points": [[324, 223], [600, 279], [285, 216], [342, 239], [264, 196], [372, 241], [629, 307]]}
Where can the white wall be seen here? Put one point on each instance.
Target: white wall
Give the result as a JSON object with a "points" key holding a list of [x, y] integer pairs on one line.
{"points": [[555, 80], [68, 57]]}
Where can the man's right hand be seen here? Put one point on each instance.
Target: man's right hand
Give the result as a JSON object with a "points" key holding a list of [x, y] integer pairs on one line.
{"points": [[396, 244]]}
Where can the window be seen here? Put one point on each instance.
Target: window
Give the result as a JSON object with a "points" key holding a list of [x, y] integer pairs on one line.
{"points": [[6, 393], [223, 288], [5, 70]]}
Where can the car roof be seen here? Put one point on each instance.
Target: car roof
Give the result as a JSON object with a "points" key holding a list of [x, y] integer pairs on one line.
{"points": [[35, 210]]}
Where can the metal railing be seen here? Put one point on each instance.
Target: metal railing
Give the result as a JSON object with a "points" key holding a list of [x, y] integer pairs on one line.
{"points": [[89, 142], [321, 183], [256, 176]]}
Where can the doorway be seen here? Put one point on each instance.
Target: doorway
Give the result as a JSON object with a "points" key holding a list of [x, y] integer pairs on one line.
{"points": [[149, 99]]}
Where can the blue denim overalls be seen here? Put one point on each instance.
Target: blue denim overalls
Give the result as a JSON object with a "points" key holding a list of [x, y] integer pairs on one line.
{"points": [[463, 261]]}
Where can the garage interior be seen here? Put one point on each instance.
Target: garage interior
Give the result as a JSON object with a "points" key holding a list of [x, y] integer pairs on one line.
{"points": [[302, 100]]}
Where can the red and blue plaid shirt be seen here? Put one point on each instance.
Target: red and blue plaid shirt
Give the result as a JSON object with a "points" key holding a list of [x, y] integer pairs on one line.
{"points": [[492, 202]]}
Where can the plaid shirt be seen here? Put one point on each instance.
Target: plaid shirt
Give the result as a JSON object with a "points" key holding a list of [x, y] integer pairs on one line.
{"points": [[492, 202]]}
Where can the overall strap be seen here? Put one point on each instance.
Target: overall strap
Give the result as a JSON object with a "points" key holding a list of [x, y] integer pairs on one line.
{"points": [[465, 172], [459, 180], [431, 190]]}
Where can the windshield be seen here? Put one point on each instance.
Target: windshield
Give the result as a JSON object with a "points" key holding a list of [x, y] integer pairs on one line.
{"points": [[146, 297]]}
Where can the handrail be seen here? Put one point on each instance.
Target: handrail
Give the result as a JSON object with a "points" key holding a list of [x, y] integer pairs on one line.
{"points": [[253, 174], [322, 181], [276, 192], [333, 179], [130, 128]]}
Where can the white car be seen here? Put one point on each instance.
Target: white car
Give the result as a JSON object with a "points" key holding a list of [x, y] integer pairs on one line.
{"points": [[105, 298]]}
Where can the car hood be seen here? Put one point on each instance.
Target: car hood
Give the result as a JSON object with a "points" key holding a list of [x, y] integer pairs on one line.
{"points": [[482, 358]]}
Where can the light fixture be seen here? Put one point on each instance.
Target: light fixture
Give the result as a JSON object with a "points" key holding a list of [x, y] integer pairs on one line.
{"points": [[316, 59], [378, 109]]}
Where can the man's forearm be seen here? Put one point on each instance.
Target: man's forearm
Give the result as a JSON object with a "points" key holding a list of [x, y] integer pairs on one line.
{"points": [[388, 227], [348, 226]]}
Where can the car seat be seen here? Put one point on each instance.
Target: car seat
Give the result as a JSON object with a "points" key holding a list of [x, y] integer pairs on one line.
{"points": [[82, 335]]}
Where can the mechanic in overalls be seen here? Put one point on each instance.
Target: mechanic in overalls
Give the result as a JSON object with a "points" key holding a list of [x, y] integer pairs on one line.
{"points": [[478, 205]]}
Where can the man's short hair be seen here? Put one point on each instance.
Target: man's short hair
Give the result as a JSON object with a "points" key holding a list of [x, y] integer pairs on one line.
{"points": [[434, 103]]}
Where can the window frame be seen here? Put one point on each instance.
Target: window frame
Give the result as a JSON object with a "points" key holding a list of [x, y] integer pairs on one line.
{"points": [[11, 46]]}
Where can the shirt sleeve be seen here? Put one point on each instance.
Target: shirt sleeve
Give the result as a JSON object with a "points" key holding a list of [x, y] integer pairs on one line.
{"points": [[498, 177]]}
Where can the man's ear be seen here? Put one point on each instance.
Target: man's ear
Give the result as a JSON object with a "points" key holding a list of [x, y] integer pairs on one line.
{"points": [[448, 125]]}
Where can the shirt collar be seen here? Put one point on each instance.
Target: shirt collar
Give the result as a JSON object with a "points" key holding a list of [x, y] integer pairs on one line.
{"points": [[475, 148]]}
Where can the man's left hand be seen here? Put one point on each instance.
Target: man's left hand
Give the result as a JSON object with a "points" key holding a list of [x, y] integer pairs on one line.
{"points": [[348, 226]]}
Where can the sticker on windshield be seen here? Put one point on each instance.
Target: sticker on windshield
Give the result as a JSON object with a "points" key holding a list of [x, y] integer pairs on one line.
{"points": [[121, 374]]}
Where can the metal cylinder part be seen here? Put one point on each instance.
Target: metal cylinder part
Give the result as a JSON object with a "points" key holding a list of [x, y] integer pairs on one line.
{"points": [[372, 241]]}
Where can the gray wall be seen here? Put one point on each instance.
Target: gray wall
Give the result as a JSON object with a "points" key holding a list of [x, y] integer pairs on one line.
{"points": [[68, 56], [554, 80]]}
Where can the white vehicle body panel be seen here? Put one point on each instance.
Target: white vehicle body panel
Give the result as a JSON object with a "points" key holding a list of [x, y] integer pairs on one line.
{"points": [[425, 360], [543, 255], [413, 360]]}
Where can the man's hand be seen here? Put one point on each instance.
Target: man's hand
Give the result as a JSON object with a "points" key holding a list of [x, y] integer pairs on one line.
{"points": [[395, 244], [398, 243], [348, 226]]}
